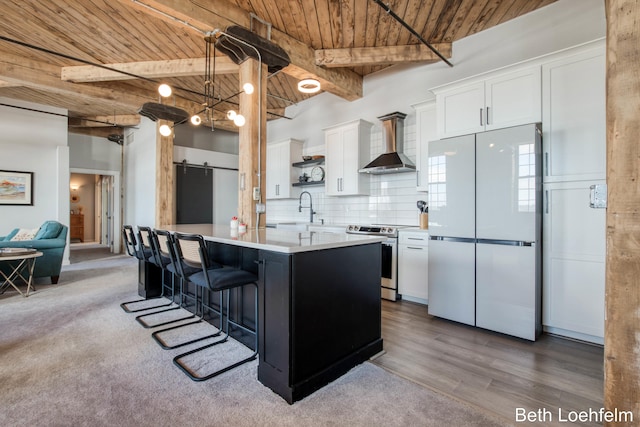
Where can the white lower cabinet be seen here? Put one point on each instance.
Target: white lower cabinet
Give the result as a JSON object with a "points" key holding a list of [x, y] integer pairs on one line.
{"points": [[574, 249], [413, 264]]}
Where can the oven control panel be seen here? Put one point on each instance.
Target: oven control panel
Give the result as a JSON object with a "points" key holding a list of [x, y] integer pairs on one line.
{"points": [[376, 230]]}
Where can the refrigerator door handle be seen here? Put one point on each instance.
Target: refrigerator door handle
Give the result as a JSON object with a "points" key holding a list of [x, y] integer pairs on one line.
{"points": [[546, 201], [453, 239], [505, 242], [546, 163]]}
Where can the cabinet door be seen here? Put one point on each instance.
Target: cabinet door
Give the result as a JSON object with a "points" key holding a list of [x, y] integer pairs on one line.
{"points": [[513, 99], [574, 260], [461, 110], [270, 170], [574, 117], [426, 130], [350, 159], [280, 173], [413, 263], [333, 162], [276, 169]]}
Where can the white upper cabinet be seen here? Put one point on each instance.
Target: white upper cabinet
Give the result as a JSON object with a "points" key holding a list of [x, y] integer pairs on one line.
{"points": [[513, 99], [426, 130], [504, 100], [347, 150], [461, 110], [280, 174], [574, 116]]}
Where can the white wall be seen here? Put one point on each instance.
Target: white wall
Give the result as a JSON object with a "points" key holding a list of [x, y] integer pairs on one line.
{"points": [[92, 152], [35, 142], [140, 174], [558, 26]]}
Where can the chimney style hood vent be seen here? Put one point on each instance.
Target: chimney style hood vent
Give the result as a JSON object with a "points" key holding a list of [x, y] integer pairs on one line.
{"points": [[393, 160]]}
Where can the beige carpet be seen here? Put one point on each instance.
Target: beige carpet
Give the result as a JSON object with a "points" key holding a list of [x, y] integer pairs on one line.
{"points": [[69, 356]]}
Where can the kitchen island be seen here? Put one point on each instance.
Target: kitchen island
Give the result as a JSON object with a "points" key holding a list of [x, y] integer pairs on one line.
{"points": [[319, 297]]}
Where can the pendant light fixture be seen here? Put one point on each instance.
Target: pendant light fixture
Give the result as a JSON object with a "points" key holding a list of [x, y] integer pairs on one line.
{"points": [[309, 86]]}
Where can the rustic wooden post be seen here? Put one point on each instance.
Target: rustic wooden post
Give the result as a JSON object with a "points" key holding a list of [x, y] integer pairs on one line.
{"points": [[622, 327], [251, 167], [164, 177]]}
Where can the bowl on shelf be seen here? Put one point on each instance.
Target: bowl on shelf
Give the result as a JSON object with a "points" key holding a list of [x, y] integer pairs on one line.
{"points": [[306, 158]]}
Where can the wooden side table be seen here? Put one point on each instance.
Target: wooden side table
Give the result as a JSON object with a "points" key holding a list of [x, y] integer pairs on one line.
{"points": [[76, 228], [21, 262]]}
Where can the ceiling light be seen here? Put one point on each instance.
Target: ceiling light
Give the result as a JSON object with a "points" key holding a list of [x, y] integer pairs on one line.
{"points": [[309, 86], [239, 120], [248, 88], [165, 130], [196, 120], [231, 114], [164, 90]]}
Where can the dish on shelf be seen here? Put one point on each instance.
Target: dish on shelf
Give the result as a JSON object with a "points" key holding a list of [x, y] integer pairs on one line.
{"points": [[318, 157], [306, 158]]}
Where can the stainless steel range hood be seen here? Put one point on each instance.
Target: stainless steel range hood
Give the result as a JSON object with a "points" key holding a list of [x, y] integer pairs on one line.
{"points": [[393, 160]]}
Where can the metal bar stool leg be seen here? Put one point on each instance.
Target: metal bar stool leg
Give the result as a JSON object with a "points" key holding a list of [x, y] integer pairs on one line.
{"points": [[180, 364]]}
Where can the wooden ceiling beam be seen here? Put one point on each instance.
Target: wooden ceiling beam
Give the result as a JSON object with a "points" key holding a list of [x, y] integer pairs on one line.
{"points": [[7, 84], [148, 69], [105, 121], [354, 57], [26, 72], [98, 132], [221, 14], [23, 71]]}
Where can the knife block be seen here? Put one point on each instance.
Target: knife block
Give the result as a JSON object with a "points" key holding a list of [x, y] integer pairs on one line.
{"points": [[424, 221]]}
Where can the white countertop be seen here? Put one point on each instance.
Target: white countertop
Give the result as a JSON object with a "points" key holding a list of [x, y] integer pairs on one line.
{"points": [[273, 239]]}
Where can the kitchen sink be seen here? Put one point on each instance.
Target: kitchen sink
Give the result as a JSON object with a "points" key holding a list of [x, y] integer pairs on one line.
{"points": [[308, 226], [292, 226]]}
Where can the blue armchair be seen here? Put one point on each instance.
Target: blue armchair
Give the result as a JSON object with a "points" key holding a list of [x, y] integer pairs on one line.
{"points": [[51, 240]]}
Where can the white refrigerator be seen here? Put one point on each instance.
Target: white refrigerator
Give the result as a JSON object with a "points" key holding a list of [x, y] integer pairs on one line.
{"points": [[484, 226]]}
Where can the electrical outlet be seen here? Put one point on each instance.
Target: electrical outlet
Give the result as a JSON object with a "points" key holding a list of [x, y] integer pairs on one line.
{"points": [[261, 208], [256, 193]]}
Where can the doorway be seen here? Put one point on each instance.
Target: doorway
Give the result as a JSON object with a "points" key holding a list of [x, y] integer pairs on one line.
{"points": [[95, 209]]}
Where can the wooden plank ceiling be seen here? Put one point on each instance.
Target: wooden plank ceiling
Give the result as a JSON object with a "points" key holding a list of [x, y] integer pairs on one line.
{"points": [[336, 41]]}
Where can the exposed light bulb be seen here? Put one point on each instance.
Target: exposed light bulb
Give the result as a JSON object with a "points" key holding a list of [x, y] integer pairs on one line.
{"points": [[196, 120], [164, 90], [165, 130], [248, 88], [231, 114], [239, 120]]}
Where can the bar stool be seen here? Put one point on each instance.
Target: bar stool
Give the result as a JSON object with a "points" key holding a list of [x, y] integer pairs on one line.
{"points": [[191, 251], [150, 244], [134, 248], [167, 250]]}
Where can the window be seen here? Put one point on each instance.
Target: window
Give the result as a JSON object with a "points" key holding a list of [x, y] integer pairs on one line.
{"points": [[437, 181], [526, 178]]}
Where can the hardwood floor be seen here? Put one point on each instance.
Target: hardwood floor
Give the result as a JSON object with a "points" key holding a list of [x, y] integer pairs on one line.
{"points": [[490, 370]]}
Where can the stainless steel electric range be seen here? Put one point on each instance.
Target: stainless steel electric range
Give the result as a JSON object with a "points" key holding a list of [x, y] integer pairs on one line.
{"points": [[389, 280]]}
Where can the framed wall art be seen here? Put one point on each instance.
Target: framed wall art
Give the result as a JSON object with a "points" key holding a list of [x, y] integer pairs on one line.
{"points": [[16, 188]]}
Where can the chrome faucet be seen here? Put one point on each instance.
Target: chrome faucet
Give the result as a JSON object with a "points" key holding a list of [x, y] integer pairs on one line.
{"points": [[310, 207]]}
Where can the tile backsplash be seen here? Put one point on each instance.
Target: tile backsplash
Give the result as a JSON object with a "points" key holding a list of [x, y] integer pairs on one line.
{"points": [[391, 200]]}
